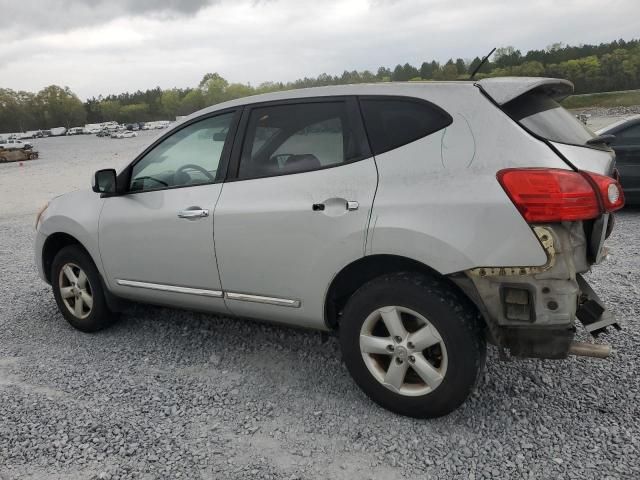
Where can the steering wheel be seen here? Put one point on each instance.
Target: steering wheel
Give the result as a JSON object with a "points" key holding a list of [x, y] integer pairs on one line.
{"points": [[191, 166]]}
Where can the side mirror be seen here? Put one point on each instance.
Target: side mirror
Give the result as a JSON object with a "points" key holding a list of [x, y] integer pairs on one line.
{"points": [[104, 181]]}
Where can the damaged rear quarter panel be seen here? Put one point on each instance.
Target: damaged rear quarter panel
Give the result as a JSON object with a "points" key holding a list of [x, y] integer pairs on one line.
{"points": [[553, 287]]}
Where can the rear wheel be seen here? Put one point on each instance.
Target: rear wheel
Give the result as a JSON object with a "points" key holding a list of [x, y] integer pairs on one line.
{"points": [[413, 345], [78, 290], [3, 159]]}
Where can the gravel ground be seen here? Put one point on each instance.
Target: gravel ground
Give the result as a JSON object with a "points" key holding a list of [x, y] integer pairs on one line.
{"points": [[173, 394]]}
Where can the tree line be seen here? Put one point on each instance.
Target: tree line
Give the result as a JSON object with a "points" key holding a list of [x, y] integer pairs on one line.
{"points": [[592, 68]]}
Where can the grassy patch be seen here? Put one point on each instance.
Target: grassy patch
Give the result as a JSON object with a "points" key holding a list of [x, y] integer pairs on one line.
{"points": [[606, 99]]}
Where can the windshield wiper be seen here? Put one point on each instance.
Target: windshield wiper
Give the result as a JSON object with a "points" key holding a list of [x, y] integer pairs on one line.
{"points": [[600, 139]]}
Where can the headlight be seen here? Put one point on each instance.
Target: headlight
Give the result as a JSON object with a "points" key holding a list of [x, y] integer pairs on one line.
{"points": [[39, 214]]}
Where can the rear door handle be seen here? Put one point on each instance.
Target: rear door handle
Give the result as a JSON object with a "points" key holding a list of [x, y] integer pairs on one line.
{"points": [[352, 205], [317, 207], [193, 213]]}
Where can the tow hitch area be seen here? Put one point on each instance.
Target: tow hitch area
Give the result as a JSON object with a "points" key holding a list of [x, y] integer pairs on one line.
{"points": [[591, 312]]}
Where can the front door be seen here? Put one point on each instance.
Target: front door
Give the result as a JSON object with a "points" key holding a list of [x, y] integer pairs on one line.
{"points": [[156, 241], [296, 209]]}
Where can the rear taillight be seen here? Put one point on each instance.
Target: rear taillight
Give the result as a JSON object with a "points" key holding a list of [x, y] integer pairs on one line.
{"points": [[609, 189], [554, 195]]}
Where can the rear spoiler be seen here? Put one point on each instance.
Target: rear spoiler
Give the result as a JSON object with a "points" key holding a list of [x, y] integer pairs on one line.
{"points": [[505, 89]]}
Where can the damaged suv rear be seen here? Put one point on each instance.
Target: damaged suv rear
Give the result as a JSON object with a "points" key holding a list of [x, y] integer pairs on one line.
{"points": [[419, 220], [530, 310]]}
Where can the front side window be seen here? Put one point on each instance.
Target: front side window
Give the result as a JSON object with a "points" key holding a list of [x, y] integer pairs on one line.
{"points": [[190, 156], [393, 122], [284, 139]]}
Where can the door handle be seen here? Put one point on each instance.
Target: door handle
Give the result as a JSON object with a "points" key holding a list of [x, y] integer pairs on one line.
{"points": [[352, 205], [193, 213], [317, 207]]}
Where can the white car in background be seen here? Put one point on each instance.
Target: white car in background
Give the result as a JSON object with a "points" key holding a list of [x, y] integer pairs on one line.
{"points": [[15, 144], [416, 220], [124, 134]]}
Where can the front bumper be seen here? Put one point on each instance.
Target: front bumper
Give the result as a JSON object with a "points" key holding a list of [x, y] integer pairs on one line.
{"points": [[38, 248]]}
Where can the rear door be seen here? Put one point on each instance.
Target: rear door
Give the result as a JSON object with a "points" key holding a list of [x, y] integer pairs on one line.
{"points": [[296, 208]]}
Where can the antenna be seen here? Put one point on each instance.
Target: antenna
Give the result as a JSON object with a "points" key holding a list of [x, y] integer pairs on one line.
{"points": [[482, 62]]}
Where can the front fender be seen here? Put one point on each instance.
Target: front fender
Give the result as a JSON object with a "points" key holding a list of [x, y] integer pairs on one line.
{"points": [[76, 214]]}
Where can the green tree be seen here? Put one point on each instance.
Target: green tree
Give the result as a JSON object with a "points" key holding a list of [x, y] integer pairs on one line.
{"points": [[61, 107], [170, 101], [213, 88], [110, 110], [135, 112], [426, 70], [192, 101]]}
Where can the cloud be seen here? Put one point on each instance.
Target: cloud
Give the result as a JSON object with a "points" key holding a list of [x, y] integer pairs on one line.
{"points": [[32, 17], [110, 46]]}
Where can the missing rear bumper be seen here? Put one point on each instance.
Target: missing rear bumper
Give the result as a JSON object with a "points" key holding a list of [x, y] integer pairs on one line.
{"points": [[592, 313]]}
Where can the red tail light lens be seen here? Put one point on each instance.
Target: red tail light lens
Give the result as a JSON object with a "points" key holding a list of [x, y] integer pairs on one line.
{"points": [[609, 189], [555, 195]]}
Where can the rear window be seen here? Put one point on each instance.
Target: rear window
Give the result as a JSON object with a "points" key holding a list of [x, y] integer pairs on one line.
{"points": [[547, 118], [392, 122]]}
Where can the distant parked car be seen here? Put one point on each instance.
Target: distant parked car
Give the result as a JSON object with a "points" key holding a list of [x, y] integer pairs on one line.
{"points": [[627, 147], [17, 155], [58, 131], [124, 134], [15, 144]]}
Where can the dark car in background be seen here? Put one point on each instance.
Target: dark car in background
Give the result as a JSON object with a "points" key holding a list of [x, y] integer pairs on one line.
{"points": [[627, 147], [16, 154]]}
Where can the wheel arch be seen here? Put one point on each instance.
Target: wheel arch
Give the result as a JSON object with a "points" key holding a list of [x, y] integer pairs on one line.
{"points": [[360, 271], [52, 245]]}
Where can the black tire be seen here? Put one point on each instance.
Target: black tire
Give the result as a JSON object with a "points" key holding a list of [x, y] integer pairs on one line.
{"points": [[453, 316], [98, 316], [3, 159]]}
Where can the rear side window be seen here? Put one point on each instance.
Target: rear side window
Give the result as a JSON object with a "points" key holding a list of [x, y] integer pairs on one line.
{"points": [[285, 139], [546, 118], [393, 122]]}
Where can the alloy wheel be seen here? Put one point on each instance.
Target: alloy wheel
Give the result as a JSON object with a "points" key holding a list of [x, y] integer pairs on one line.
{"points": [[75, 290], [403, 350]]}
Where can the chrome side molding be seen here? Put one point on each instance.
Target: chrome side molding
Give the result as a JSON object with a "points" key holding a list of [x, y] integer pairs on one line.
{"points": [[170, 288], [245, 297]]}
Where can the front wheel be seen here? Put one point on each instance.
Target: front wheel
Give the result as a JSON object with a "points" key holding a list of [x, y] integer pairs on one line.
{"points": [[78, 290], [412, 344]]}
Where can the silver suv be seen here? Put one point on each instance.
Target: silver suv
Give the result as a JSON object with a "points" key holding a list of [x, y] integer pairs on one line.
{"points": [[418, 220]]}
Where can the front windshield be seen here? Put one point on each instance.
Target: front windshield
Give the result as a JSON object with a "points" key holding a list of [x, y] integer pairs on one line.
{"points": [[545, 117]]}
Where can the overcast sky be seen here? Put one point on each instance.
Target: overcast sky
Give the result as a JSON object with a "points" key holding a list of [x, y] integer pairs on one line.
{"points": [[111, 46]]}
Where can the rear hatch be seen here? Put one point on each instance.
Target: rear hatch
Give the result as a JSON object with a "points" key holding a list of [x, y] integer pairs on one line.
{"points": [[533, 103]]}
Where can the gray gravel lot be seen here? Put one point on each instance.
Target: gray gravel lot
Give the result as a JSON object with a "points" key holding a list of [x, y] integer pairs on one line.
{"points": [[173, 394]]}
